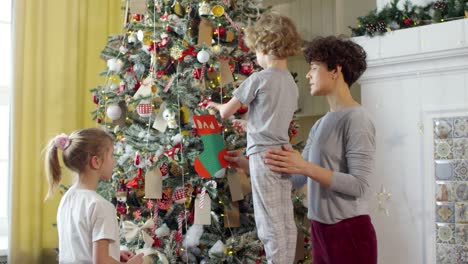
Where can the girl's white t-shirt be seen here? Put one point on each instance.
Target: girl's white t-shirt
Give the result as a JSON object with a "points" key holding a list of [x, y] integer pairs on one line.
{"points": [[84, 217]]}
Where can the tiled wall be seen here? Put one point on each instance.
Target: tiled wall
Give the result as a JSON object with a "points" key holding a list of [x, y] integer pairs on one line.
{"points": [[451, 193]]}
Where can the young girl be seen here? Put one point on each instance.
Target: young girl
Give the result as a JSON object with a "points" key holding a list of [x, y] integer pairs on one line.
{"points": [[271, 95], [86, 222]]}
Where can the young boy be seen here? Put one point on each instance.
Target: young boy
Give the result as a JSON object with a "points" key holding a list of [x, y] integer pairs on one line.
{"points": [[271, 95]]}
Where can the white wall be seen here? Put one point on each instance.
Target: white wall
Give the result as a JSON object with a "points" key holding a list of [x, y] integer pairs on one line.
{"points": [[410, 72]]}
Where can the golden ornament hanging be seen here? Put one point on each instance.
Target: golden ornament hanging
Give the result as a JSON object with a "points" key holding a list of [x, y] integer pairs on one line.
{"points": [[217, 10], [178, 9]]}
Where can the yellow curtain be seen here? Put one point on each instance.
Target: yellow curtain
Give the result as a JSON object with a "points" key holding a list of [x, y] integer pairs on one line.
{"points": [[56, 61]]}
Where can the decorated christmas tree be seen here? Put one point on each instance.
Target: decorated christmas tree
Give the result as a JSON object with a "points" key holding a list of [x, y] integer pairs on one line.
{"points": [[176, 198]]}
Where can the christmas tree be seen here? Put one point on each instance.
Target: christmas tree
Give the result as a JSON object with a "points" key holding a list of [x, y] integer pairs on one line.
{"points": [[176, 199]]}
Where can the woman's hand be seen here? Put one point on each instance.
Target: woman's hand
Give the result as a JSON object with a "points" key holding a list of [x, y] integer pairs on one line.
{"points": [[286, 160], [237, 160]]}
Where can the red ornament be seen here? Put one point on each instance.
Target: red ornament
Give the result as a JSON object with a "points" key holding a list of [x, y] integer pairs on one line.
{"points": [[137, 17], [121, 208], [145, 109], [220, 31], [243, 109], [157, 242], [211, 69], [408, 21], [137, 158], [168, 28], [196, 73], [164, 169], [95, 99], [294, 131], [232, 66], [99, 120], [246, 68], [165, 202]]}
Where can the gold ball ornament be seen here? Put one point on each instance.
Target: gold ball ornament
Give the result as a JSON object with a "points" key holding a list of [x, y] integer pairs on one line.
{"points": [[217, 10]]}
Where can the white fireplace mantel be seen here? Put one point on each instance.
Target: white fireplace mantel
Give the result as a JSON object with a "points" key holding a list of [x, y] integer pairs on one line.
{"points": [[412, 74], [407, 52]]}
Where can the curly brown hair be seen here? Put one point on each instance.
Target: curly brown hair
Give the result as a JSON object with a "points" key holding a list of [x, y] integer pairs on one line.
{"points": [[275, 35], [334, 51]]}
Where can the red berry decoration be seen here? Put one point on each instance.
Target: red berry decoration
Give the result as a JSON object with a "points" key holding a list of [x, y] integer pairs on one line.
{"points": [[408, 21], [95, 99]]}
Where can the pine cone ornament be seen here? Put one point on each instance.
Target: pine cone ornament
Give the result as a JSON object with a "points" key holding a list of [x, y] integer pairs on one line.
{"points": [[382, 26], [175, 170], [440, 5]]}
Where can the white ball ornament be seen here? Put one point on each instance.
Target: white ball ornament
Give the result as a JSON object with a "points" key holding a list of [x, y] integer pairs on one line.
{"points": [[203, 56], [114, 112], [114, 65]]}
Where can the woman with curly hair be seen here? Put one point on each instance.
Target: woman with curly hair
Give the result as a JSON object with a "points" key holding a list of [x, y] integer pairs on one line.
{"points": [[337, 160], [271, 95]]}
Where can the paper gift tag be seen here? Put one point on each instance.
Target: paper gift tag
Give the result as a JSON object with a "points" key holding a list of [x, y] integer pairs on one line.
{"points": [[235, 186], [300, 251], [153, 184], [245, 182], [203, 215], [226, 74], [232, 216], [160, 123], [138, 6], [205, 32]]}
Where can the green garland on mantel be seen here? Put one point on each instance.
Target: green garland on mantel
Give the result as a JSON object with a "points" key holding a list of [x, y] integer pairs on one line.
{"points": [[391, 18]]}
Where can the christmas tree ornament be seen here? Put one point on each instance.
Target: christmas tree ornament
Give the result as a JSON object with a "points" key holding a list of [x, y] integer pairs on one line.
{"points": [[176, 170], [205, 33], [163, 231], [114, 65], [176, 52], [132, 231], [218, 249], [203, 56], [164, 169], [211, 161], [179, 195], [220, 31], [202, 214], [132, 38], [164, 40], [153, 184], [178, 9], [138, 6], [243, 109], [145, 108], [204, 9], [136, 17], [230, 36], [196, 72], [95, 99], [114, 112], [169, 116], [121, 196], [217, 10], [166, 201], [121, 87], [136, 160], [246, 68]]}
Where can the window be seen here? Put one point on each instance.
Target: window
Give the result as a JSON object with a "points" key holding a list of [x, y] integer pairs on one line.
{"points": [[5, 98]]}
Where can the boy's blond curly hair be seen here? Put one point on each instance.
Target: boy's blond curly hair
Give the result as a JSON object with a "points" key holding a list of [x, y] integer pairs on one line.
{"points": [[275, 35]]}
